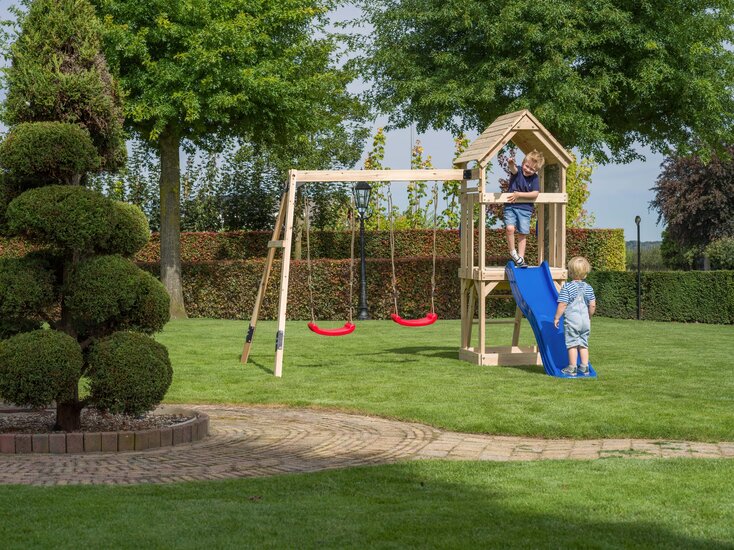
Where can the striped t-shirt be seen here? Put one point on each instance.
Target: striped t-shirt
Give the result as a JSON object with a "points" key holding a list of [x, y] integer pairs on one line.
{"points": [[571, 289]]}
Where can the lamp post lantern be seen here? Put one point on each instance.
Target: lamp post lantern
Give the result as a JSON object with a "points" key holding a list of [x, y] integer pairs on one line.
{"points": [[639, 311], [362, 199]]}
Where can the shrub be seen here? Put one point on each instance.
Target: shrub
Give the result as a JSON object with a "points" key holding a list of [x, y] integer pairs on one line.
{"points": [[684, 296], [604, 248], [57, 72], [68, 216], [128, 373], [42, 153], [26, 287], [721, 253], [39, 367], [11, 327], [152, 305], [108, 290], [129, 231]]}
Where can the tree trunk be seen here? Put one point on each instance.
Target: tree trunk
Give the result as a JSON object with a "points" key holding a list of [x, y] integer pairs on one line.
{"points": [[68, 416], [171, 221]]}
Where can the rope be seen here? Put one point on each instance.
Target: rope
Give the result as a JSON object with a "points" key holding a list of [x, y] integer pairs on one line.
{"points": [[307, 217], [435, 227], [391, 217], [351, 261]]}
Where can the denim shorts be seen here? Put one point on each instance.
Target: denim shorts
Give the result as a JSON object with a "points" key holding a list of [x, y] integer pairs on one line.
{"points": [[518, 217], [576, 338]]}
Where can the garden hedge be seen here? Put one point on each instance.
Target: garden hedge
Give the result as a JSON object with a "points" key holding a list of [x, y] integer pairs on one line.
{"points": [[686, 296], [604, 248], [227, 290]]}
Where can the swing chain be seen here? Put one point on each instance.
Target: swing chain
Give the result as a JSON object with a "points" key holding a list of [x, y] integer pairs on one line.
{"points": [[391, 217], [307, 218], [435, 228], [351, 258]]}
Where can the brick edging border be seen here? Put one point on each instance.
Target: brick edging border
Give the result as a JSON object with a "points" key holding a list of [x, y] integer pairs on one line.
{"points": [[194, 429]]}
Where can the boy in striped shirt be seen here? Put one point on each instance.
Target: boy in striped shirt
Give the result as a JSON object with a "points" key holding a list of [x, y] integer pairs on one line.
{"points": [[578, 302]]}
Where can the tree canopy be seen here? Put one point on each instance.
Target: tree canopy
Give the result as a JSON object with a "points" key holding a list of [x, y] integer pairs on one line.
{"points": [[695, 200], [58, 73], [206, 70], [218, 68], [601, 75]]}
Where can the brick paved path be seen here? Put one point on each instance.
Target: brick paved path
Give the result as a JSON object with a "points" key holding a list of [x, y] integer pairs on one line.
{"points": [[264, 441]]}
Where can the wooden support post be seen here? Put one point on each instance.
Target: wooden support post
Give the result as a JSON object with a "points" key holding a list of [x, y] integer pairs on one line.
{"points": [[469, 320], [471, 202], [264, 280], [552, 232], [562, 253], [482, 222], [481, 287], [516, 329], [541, 221], [464, 308], [285, 272]]}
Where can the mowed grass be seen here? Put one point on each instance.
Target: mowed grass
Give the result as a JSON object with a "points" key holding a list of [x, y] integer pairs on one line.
{"points": [[655, 380], [612, 503]]}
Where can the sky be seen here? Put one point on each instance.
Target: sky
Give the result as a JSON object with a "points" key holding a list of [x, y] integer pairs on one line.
{"points": [[619, 192]]}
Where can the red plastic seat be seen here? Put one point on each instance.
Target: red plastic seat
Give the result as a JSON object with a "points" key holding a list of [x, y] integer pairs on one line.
{"points": [[429, 319], [348, 328]]}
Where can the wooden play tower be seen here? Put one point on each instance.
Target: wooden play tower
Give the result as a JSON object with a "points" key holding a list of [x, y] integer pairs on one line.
{"points": [[478, 280]]}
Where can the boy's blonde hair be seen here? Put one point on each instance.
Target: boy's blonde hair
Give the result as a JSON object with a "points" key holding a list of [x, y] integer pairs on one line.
{"points": [[536, 158], [578, 268]]}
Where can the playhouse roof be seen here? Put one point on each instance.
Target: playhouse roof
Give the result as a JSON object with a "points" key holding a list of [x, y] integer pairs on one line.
{"points": [[525, 131]]}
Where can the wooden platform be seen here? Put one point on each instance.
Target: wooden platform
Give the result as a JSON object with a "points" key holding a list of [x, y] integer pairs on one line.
{"points": [[502, 355], [498, 273]]}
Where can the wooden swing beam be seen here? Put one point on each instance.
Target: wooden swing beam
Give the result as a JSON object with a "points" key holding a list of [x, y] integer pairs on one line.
{"points": [[282, 237]]}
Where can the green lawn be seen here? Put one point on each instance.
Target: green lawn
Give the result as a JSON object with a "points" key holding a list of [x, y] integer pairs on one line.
{"points": [[656, 380], [611, 503]]}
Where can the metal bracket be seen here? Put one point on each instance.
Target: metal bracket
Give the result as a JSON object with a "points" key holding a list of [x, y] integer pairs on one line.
{"points": [[279, 340], [250, 332], [468, 174]]}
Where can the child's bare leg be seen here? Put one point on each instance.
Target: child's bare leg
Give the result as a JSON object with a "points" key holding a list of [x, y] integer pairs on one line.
{"points": [[510, 231], [521, 241], [573, 354], [584, 352]]}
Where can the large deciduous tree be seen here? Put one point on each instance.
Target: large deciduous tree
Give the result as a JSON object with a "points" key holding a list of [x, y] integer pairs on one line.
{"points": [[695, 200], [601, 75], [209, 69]]}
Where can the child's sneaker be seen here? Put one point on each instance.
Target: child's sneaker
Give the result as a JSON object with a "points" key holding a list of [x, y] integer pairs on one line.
{"points": [[584, 370], [519, 261], [570, 370]]}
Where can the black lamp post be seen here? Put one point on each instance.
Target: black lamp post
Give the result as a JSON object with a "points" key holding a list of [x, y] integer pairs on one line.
{"points": [[362, 199], [639, 312]]}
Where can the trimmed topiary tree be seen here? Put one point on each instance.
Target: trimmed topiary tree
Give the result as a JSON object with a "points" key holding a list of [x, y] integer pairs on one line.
{"points": [[98, 307]]}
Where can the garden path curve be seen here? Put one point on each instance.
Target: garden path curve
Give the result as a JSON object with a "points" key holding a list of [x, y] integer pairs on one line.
{"points": [[249, 441]]}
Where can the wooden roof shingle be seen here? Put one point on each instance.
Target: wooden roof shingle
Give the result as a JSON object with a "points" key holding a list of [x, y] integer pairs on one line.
{"points": [[524, 130]]}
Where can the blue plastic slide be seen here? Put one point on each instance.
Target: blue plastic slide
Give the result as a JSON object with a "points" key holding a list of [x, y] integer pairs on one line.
{"points": [[537, 297]]}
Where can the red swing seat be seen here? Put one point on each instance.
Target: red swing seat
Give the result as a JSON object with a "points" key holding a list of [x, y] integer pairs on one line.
{"points": [[429, 319], [348, 328]]}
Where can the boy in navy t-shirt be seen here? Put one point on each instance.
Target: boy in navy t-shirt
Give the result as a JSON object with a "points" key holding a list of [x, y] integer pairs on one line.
{"points": [[524, 184]]}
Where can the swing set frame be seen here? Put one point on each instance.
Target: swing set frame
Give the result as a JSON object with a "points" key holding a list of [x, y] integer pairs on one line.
{"points": [[282, 237], [479, 281]]}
